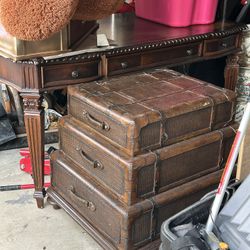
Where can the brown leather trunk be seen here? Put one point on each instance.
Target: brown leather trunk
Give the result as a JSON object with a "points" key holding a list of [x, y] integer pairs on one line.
{"points": [[134, 179], [112, 224], [148, 110]]}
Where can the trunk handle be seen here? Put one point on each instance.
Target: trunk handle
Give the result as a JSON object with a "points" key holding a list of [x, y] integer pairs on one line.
{"points": [[88, 204], [94, 163], [95, 122]]}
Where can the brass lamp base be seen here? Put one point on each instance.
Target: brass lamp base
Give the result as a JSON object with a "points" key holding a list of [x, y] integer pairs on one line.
{"points": [[63, 41]]}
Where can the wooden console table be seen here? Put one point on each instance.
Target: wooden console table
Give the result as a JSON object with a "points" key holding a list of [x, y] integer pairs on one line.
{"points": [[135, 44]]}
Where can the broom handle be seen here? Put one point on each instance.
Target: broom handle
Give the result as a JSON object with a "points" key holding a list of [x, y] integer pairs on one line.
{"points": [[228, 170]]}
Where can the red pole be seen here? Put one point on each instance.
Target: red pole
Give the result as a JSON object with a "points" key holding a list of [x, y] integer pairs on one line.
{"points": [[20, 187]]}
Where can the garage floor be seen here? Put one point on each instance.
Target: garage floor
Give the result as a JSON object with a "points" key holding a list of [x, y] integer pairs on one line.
{"points": [[24, 227]]}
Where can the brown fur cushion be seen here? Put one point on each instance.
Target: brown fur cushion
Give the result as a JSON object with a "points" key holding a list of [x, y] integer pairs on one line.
{"points": [[35, 19], [96, 9]]}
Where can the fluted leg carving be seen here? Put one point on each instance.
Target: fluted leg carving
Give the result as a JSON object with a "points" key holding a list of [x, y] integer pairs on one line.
{"points": [[232, 72], [34, 124]]}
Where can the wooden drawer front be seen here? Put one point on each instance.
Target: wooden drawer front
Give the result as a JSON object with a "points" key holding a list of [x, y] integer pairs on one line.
{"points": [[72, 73], [217, 46], [145, 186], [224, 102], [88, 201], [188, 125], [141, 229], [96, 119], [167, 210], [121, 64], [223, 114], [180, 163], [124, 227], [96, 162], [149, 115], [133, 179], [189, 165], [172, 55], [150, 135]]}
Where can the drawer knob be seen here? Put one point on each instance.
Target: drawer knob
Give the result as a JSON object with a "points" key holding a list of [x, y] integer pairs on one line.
{"points": [[189, 52], [97, 164], [94, 163], [95, 122], [88, 204], [75, 74], [224, 45], [124, 65]]}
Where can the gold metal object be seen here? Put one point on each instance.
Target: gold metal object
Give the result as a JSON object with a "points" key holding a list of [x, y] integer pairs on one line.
{"points": [[223, 246], [63, 41]]}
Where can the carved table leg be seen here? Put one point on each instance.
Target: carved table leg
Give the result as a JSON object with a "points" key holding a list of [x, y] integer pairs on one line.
{"points": [[34, 124], [232, 72]]}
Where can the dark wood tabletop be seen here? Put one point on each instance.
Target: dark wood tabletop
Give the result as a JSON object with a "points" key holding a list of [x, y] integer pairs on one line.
{"points": [[127, 30]]}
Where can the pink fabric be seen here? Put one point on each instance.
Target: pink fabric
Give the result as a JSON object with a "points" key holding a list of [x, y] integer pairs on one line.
{"points": [[177, 13]]}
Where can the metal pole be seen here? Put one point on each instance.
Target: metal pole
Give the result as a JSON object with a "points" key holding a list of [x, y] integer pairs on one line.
{"points": [[228, 169], [20, 187]]}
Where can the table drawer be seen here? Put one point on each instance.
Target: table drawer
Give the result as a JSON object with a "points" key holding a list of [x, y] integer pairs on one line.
{"points": [[172, 55], [123, 227], [123, 63], [218, 45], [117, 65], [98, 163], [84, 197], [113, 129], [69, 73]]}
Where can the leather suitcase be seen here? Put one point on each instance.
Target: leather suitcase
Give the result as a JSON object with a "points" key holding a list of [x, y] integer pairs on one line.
{"points": [[134, 179], [112, 224], [148, 110]]}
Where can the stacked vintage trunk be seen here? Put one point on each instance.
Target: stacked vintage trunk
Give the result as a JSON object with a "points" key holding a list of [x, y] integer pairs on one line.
{"points": [[136, 149]]}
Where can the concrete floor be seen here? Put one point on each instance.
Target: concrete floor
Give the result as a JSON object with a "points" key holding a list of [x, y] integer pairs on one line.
{"points": [[24, 227]]}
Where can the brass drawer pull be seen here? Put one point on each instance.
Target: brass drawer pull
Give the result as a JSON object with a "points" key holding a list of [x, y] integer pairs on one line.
{"points": [[124, 65], [164, 138], [75, 74], [190, 52], [94, 163], [224, 45], [88, 204], [96, 123]]}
